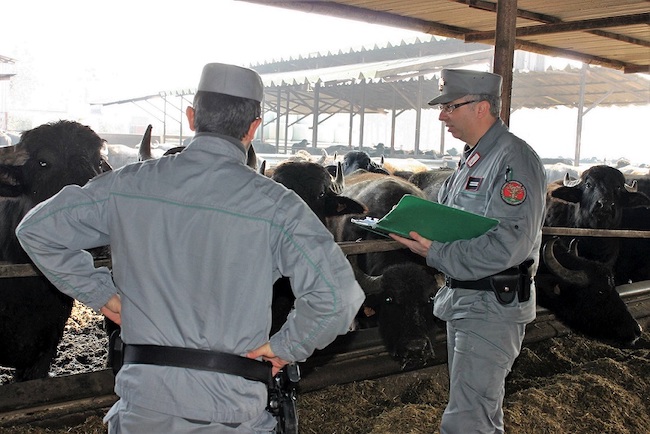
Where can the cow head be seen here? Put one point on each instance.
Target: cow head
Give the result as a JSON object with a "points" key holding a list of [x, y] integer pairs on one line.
{"points": [[49, 157], [360, 160], [402, 300], [599, 194], [581, 293], [313, 183]]}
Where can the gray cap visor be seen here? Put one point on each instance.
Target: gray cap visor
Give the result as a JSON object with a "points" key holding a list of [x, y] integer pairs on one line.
{"points": [[444, 98]]}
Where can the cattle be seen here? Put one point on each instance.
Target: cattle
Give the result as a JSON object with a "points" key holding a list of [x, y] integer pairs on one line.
{"points": [[315, 186], [304, 156], [33, 313], [360, 160], [401, 299], [5, 139], [582, 294], [557, 171], [121, 155], [403, 167], [379, 193], [409, 341], [633, 261], [595, 200], [431, 181]]}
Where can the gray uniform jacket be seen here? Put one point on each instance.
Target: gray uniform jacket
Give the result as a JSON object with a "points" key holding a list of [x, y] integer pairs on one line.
{"points": [[502, 178], [197, 240]]}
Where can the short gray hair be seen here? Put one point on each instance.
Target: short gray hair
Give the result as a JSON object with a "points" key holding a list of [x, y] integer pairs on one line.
{"points": [[493, 100]]}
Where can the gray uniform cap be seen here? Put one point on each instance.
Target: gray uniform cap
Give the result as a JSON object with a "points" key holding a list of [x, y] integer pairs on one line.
{"points": [[456, 83], [232, 80]]}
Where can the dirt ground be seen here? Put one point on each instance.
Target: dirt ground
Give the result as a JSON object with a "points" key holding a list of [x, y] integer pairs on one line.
{"points": [[563, 385]]}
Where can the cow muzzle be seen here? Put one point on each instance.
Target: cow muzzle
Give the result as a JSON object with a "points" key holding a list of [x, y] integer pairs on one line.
{"points": [[416, 353]]}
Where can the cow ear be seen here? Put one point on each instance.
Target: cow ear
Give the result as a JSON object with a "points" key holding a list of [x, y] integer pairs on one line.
{"points": [[10, 181], [569, 194], [12, 159], [341, 205], [634, 200], [15, 155]]}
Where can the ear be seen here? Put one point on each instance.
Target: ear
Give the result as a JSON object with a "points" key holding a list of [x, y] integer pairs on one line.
{"points": [[189, 112], [483, 108], [250, 135]]}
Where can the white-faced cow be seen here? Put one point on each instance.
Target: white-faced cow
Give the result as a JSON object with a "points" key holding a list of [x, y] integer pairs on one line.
{"points": [[582, 294], [33, 312]]}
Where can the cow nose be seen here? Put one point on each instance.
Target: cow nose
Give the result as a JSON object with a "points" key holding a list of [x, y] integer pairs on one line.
{"points": [[417, 353], [606, 205]]}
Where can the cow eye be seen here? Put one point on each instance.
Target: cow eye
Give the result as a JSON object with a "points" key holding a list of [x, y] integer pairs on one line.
{"points": [[388, 300], [43, 163], [588, 184]]}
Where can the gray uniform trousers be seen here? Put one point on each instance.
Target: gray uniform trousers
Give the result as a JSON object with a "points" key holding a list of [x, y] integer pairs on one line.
{"points": [[127, 418], [480, 354]]}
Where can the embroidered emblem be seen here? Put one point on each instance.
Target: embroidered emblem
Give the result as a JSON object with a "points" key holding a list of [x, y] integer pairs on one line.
{"points": [[441, 84], [471, 161], [473, 183], [513, 193]]}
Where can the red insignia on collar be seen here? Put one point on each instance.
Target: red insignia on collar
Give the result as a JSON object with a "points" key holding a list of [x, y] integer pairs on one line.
{"points": [[513, 193], [471, 161]]}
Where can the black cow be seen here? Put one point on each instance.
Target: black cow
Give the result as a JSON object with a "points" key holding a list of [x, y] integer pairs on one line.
{"points": [[582, 294], [595, 200], [633, 261], [401, 299], [379, 193], [313, 183], [33, 312], [360, 160], [409, 341]]}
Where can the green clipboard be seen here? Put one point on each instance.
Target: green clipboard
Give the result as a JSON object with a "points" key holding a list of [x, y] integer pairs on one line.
{"points": [[432, 220]]}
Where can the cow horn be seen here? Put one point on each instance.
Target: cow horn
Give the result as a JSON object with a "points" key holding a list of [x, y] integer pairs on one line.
{"points": [[338, 182], [631, 188], [323, 157], [262, 169], [144, 151], [371, 285], [573, 247], [575, 277], [568, 182]]}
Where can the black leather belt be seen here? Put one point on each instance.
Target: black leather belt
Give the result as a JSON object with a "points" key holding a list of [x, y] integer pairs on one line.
{"points": [[506, 285], [199, 359], [483, 284]]}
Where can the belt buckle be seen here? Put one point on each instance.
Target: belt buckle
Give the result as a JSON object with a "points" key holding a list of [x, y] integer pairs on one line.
{"points": [[448, 281]]}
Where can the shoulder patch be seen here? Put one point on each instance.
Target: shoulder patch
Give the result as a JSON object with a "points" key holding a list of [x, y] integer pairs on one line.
{"points": [[513, 192]]}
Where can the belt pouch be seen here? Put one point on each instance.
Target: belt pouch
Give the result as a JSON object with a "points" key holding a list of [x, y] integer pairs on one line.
{"points": [[506, 285], [524, 286], [115, 351]]}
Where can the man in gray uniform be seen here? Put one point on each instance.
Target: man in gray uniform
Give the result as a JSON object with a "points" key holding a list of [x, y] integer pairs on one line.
{"points": [[197, 240], [488, 298]]}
